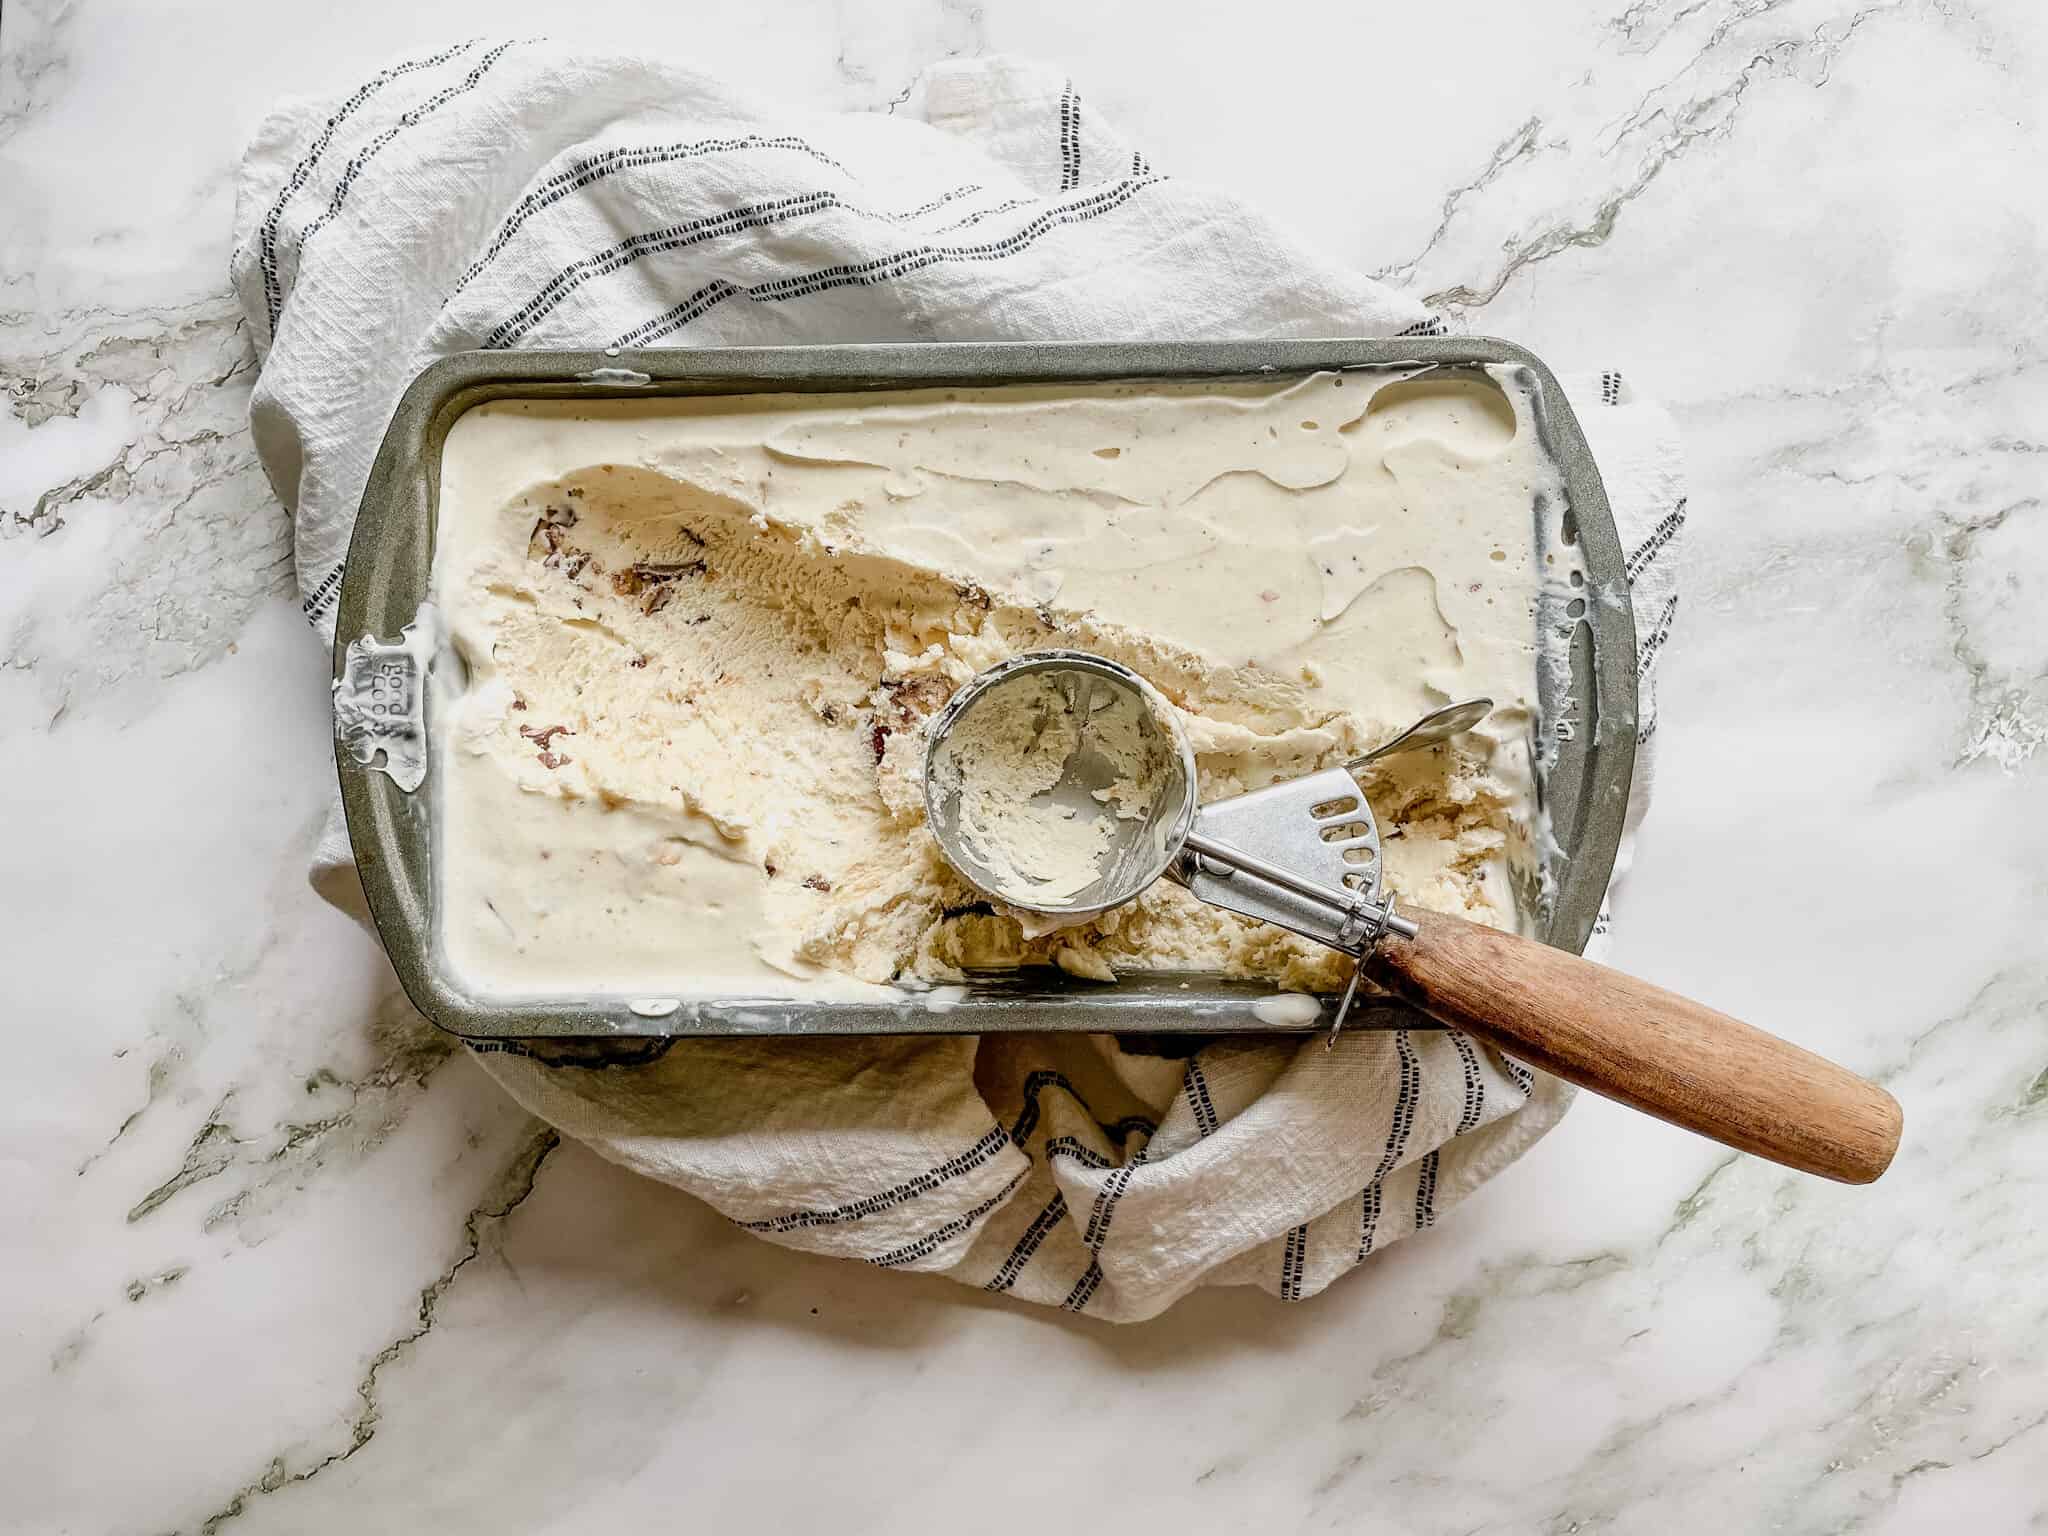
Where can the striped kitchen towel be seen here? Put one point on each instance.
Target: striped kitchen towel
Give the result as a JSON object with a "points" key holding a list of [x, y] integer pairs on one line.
{"points": [[516, 194]]}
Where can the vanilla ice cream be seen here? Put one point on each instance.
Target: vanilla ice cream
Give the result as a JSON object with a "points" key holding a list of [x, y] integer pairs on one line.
{"points": [[700, 638]]}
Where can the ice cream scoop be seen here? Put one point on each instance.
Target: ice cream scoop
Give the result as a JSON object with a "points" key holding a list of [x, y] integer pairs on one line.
{"points": [[1060, 782]]}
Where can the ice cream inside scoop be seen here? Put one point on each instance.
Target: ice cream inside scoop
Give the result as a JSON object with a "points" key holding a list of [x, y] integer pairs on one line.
{"points": [[1058, 789]]}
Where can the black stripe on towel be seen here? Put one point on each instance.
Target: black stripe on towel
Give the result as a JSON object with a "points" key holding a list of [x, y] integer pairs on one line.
{"points": [[266, 238], [1037, 1082], [1405, 1093], [1646, 653], [1475, 1083], [675, 237], [1084, 1288], [318, 599], [1197, 1087], [1524, 1078], [406, 119], [1070, 139], [994, 1142], [1293, 1260], [938, 1237], [1368, 1217], [1034, 1237], [591, 169], [1098, 1230], [1106, 1199], [1666, 529], [1425, 1191], [694, 232], [1067, 1146], [885, 269], [990, 212]]}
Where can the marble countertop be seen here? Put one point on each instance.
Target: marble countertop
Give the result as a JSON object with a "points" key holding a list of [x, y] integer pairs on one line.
{"points": [[282, 1261]]}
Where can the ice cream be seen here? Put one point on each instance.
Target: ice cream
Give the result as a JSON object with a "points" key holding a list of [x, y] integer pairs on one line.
{"points": [[1010, 759], [700, 639]]}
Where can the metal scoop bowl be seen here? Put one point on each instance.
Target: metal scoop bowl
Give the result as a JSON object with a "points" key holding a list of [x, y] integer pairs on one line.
{"points": [[1305, 854], [1142, 839]]}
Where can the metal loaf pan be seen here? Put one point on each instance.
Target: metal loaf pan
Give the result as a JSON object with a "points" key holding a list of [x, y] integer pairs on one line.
{"points": [[1591, 715]]}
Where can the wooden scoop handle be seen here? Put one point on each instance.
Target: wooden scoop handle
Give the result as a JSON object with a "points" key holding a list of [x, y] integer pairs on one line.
{"points": [[1654, 1050]]}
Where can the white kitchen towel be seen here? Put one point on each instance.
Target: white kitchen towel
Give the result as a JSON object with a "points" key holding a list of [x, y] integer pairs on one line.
{"points": [[516, 194]]}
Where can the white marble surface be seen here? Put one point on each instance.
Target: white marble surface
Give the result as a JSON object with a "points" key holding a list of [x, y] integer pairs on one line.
{"points": [[276, 1260]]}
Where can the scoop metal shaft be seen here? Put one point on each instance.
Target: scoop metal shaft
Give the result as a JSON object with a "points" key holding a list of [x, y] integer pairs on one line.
{"points": [[1352, 921]]}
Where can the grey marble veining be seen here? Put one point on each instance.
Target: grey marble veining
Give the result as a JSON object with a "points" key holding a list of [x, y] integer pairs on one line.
{"points": [[282, 1260]]}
